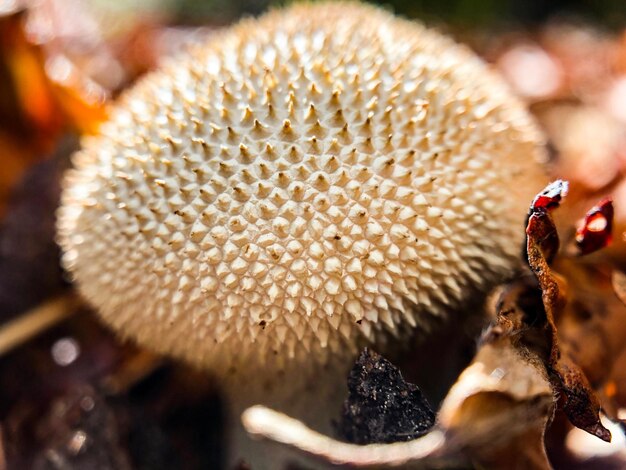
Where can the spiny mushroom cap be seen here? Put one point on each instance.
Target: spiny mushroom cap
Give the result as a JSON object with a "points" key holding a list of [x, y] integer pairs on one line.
{"points": [[298, 185]]}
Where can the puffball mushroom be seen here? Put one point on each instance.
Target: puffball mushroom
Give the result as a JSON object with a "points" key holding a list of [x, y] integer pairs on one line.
{"points": [[298, 186]]}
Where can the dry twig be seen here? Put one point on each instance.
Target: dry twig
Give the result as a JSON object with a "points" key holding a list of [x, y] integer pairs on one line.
{"points": [[37, 320]]}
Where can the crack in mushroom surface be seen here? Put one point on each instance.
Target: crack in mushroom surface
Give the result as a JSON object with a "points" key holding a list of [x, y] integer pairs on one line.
{"points": [[298, 186]]}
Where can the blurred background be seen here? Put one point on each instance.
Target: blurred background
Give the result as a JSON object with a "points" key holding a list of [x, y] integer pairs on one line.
{"points": [[72, 395], [459, 12]]}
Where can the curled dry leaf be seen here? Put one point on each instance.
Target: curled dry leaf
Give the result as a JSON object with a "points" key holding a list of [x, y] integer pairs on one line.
{"points": [[578, 400], [499, 408]]}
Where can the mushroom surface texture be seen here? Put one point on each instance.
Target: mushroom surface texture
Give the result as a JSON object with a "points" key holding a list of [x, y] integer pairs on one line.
{"points": [[298, 186]]}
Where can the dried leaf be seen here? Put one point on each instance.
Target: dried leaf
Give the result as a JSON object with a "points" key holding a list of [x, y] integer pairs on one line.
{"points": [[597, 229], [500, 406], [579, 401]]}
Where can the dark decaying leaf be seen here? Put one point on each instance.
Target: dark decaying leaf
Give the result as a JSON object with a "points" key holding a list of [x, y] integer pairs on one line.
{"points": [[381, 405]]}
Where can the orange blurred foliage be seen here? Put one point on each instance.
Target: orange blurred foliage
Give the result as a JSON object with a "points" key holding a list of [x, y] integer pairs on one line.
{"points": [[35, 109]]}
